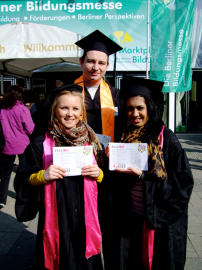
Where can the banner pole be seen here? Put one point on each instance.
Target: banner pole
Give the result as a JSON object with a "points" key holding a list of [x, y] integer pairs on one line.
{"points": [[147, 63], [2, 83], [114, 75]]}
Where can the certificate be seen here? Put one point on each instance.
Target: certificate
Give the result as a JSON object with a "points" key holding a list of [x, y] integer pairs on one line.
{"points": [[124, 155], [72, 159], [104, 139]]}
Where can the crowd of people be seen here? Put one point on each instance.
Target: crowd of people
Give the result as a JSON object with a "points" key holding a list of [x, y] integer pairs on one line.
{"points": [[135, 219]]}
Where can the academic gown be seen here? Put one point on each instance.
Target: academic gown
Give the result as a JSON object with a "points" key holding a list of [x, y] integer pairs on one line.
{"points": [[106, 189], [93, 109], [70, 205], [166, 209], [108, 222]]}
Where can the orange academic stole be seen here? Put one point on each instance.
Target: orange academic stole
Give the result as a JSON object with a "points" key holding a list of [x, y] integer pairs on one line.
{"points": [[107, 107]]}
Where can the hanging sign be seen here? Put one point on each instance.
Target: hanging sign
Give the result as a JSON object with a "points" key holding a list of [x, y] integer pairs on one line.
{"points": [[171, 37], [124, 21]]}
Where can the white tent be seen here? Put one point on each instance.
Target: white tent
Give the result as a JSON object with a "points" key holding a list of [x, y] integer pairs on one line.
{"points": [[62, 67], [25, 47]]}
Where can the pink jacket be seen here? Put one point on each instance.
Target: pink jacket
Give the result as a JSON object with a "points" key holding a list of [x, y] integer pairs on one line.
{"points": [[17, 125]]}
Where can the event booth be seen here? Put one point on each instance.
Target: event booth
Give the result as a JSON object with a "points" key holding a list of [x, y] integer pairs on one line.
{"points": [[25, 47]]}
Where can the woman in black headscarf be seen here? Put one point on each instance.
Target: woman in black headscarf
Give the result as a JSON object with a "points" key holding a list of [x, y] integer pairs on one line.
{"points": [[154, 202]]}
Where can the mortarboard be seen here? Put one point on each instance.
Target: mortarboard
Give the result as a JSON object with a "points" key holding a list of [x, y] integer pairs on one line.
{"points": [[97, 41], [133, 86], [71, 87]]}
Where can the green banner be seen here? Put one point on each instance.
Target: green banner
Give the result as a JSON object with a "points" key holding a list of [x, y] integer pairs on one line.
{"points": [[171, 36], [124, 21]]}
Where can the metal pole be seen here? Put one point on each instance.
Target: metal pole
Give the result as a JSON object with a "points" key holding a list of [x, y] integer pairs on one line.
{"points": [[2, 83], [28, 84], [114, 75], [148, 23]]}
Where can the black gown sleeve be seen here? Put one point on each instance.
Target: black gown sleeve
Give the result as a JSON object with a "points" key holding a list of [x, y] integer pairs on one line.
{"points": [[167, 200], [29, 198]]}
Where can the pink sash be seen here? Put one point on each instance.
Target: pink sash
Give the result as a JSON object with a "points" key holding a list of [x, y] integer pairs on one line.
{"points": [[161, 137], [148, 234], [147, 247], [51, 227], [93, 233]]}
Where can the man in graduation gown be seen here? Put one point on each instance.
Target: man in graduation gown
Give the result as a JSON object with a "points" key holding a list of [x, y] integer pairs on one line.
{"points": [[104, 117], [102, 99]]}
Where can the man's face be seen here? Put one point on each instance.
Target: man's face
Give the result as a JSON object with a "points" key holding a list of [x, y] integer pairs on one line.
{"points": [[94, 66]]}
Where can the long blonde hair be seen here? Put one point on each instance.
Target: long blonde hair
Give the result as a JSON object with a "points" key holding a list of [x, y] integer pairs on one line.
{"points": [[73, 93]]}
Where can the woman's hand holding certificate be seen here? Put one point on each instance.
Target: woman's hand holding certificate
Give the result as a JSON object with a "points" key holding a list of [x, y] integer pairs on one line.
{"points": [[91, 171], [54, 172], [130, 170]]}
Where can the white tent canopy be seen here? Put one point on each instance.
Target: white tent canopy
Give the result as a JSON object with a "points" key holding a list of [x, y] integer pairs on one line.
{"points": [[25, 47], [63, 67]]}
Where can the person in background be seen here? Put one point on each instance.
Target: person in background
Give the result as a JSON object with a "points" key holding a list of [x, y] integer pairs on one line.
{"points": [[1, 96], [154, 203], [104, 117], [30, 100], [40, 117], [17, 126], [68, 234], [58, 84]]}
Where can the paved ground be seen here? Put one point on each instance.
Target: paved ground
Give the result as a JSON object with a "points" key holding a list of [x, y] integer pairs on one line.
{"points": [[18, 239], [193, 147]]}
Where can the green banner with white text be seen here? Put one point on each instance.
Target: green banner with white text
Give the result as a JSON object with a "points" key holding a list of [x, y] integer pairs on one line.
{"points": [[124, 21], [171, 37]]}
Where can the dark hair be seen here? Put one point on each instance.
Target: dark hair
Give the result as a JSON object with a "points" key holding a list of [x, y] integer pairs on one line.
{"points": [[84, 55], [154, 124], [12, 94]]}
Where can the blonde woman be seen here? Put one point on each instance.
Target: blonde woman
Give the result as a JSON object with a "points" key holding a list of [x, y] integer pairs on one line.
{"points": [[68, 229]]}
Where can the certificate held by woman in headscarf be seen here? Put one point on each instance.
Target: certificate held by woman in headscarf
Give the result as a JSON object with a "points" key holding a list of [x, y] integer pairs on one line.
{"points": [[124, 155]]}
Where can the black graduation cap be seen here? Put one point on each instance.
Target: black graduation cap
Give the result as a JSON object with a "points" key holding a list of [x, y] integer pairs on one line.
{"points": [[97, 41], [69, 87], [133, 86]]}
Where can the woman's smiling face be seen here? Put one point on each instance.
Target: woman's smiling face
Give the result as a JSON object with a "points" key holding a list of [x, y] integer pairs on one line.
{"points": [[137, 111], [68, 110]]}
